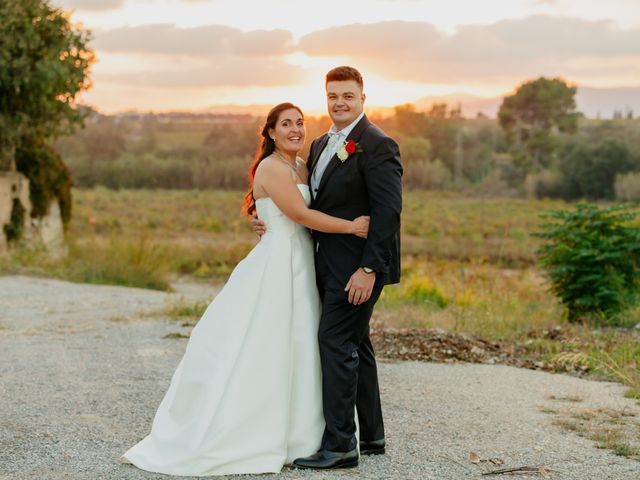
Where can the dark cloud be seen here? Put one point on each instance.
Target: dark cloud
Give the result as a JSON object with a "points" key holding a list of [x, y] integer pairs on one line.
{"points": [[417, 51], [91, 4], [205, 41]]}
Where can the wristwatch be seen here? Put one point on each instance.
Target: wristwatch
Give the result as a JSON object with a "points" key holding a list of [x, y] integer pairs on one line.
{"points": [[368, 270]]}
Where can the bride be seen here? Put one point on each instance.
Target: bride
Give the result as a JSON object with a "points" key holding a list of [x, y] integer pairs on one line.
{"points": [[246, 397]]}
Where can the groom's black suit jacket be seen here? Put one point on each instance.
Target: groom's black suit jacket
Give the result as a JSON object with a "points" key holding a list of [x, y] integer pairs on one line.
{"points": [[367, 183]]}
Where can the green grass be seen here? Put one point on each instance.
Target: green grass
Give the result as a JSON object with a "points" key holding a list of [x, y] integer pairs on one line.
{"points": [[612, 354], [142, 237], [614, 430], [469, 297], [446, 225], [434, 224], [175, 336], [115, 261], [180, 308]]}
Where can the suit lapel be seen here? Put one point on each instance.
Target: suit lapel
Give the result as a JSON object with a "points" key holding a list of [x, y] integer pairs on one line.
{"points": [[335, 162], [322, 143]]}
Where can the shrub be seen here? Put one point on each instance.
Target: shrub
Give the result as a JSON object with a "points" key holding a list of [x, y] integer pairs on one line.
{"points": [[136, 263], [590, 171], [627, 187], [544, 184], [592, 257], [417, 290], [426, 174], [415, 149], [493, 185]]}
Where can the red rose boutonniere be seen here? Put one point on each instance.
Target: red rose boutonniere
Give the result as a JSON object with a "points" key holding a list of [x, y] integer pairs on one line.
{"points": [[347, 149]]}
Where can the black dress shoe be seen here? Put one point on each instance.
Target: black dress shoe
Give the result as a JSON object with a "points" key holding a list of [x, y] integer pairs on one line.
{"points": [[324, 459], [374, 447]]}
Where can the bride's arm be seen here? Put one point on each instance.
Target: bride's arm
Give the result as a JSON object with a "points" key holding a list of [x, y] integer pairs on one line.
{"points": [[277, 182]]}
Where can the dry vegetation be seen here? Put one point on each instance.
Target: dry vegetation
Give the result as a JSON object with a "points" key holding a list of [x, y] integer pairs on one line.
{"points": [[469, 274]]}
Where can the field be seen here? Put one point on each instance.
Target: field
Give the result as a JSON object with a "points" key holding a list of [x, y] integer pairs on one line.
{"points": [[468, 267]]}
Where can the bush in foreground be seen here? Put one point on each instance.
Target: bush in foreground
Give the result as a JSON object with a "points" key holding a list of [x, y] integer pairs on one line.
{"points": [[592, 257]]}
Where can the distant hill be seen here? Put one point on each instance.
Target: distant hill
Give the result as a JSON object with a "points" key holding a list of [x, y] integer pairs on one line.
{"points": [[603, 102], [254, 109], [470, 104], [593, 102]]}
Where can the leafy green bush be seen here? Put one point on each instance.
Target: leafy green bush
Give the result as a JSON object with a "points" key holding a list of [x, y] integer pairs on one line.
{"points": [[592, 256]]}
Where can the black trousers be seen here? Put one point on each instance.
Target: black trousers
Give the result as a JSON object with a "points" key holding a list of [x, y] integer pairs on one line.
{"points": [[349, 372]]}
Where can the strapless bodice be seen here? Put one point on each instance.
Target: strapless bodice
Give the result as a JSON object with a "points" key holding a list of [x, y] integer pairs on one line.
{"points": [[275, 220]]}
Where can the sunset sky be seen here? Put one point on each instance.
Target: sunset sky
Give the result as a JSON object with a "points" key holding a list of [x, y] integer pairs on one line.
{"points": [[192, 54]]}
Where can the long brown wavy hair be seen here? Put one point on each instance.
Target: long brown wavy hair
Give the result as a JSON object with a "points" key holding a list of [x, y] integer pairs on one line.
{"points": [[266, 148]]}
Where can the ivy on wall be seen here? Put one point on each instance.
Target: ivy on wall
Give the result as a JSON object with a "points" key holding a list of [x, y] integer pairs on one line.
{"points": [[49, 178], [15, 228]]}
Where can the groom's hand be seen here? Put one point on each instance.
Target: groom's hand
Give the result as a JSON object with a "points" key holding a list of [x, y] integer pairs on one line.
{"points": [[360, 286], [258, 226]]}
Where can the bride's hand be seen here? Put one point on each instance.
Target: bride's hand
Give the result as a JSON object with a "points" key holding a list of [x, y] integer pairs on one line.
{"points": [[360, 226], [258, 226]]}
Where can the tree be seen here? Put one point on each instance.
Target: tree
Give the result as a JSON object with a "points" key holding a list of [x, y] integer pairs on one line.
{"points": [[590, 171], [407, 121], [238, 139], [440, 127], [44, 64], [531, 116], [415, 149]]}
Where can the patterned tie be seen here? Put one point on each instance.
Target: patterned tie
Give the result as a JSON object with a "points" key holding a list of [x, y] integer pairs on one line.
{"points": [[323, 161]]}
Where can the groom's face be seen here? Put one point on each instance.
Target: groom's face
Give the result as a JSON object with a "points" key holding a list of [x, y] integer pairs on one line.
{"points": [[345, 102]]}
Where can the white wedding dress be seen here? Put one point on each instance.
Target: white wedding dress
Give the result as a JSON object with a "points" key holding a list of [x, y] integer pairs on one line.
{"points": [[246, 397]]}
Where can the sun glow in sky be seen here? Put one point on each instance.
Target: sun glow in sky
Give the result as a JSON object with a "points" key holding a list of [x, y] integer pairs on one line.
{"points": [[195, 54]]}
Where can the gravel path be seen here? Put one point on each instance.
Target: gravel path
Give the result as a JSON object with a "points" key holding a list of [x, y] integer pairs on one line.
{"points": [[83, 368]]}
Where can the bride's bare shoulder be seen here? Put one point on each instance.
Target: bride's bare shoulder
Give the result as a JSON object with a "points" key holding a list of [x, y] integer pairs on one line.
{"points": [[271, 166], [267, 163], [271, 161]]}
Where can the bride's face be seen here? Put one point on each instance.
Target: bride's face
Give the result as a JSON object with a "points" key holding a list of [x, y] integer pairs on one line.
{"points": [[289, 131]]}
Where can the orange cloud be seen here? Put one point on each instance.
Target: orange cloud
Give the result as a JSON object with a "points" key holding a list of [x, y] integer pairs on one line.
{"points": [[208, 56], [515, 48], [91, 4], [232, 71], [210, 40], [230, 63]]}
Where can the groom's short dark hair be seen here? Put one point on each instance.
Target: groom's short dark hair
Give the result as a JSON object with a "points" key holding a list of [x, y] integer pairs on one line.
{"points": [[344, 73]]}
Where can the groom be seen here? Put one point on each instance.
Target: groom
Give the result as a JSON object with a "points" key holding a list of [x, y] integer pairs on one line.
{"points": [[354, 170]]}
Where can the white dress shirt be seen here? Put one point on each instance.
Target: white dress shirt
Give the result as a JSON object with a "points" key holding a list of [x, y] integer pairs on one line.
{"points": [[336, 140]]}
